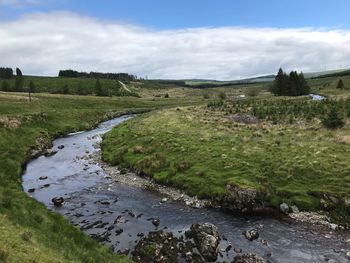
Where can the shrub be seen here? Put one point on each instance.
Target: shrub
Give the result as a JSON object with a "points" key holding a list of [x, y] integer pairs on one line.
{"points": [[253, 92], [222, 95], [333, 119], [206, 95]]}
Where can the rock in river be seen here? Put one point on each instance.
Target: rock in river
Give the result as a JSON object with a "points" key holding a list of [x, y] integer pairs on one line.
{"points": [[156, 222], [58, 201], [284, 208], [206, 238], [158, 246], [251, 234], [248, 258]]}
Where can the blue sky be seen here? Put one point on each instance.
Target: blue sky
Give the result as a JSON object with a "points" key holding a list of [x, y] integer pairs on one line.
{"points": [[166, 14], [223, 39]]}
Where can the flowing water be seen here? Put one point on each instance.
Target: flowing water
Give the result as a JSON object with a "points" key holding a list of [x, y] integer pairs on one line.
{"points": [[94, 201]]}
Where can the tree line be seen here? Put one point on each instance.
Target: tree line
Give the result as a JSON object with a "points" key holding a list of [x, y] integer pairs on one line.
{"points": [[293, 84], [69, 73], [6, 73]]}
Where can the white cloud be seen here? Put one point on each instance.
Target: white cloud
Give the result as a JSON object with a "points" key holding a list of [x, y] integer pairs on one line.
{"points": [[43, 43]]}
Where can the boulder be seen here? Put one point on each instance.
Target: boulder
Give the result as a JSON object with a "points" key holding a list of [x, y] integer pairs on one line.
{"points": [[156, 222], [43, 178], [251, 234], [159, 246], [31, 190], [245, 118], [284, 208], [239, 198], [206, 238], [58, 201], [60, 147], [295, 209], [50, 152], [248, 258]]}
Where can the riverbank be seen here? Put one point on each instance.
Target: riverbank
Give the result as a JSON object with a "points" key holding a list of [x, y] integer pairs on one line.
{"points": [[241, 167], [29, 232], [135, 221]]}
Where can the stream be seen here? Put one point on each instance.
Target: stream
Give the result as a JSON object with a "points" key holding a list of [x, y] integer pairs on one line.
{"points": [[94, 200]]}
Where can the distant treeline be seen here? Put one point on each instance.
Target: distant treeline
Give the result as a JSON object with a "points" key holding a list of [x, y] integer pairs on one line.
{"points": [[336, 74], [203, 85], [69, 73]]}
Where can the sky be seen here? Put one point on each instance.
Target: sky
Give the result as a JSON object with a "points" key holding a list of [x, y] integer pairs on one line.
{"points": [[203, 39]]}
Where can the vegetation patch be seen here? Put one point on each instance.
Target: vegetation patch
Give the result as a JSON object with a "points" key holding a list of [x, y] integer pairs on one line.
{"points": [[201, 150]]}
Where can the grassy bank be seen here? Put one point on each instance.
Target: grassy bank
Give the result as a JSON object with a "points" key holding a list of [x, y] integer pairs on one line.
{"points": [[202, 150], [28, 232]]}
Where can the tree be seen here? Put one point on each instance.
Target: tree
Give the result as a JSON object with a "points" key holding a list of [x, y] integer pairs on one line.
{"points": [[5, 86], [18, 84], [305, 88], [340, 84], [65, 89], [98, 88], [80, 89], [333, 119], [31, 89], [19, 72]]}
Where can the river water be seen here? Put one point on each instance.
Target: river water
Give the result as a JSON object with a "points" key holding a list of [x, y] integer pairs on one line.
{"points": [[93, 201]]}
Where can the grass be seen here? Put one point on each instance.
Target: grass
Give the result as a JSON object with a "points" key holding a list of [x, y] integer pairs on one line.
{"points": [[202, 151], [28, 231]]}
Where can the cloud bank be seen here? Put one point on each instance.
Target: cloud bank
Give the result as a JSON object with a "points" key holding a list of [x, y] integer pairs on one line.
{"points": [[43, 43]]}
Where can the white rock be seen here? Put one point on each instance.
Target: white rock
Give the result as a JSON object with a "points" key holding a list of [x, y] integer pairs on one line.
{"points": [[295, 209], [333, 226], [164, 200], [348, 255], [284, 208]]}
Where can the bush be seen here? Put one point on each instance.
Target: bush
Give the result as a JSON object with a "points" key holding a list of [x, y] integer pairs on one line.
{"points": [[222, 95], [253, 92], [206, 95], [333, 119]]}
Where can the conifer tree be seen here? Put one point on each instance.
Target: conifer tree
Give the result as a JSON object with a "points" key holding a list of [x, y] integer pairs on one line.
{"points": [[333, 119], [31, 89], [340, 84], [98, 88]]}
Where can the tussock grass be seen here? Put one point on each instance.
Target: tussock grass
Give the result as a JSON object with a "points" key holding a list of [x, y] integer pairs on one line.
{"points": [[201, 151]]}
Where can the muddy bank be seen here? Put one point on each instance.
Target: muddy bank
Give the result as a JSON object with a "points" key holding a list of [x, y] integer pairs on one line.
{"points": [[121, 212]]}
